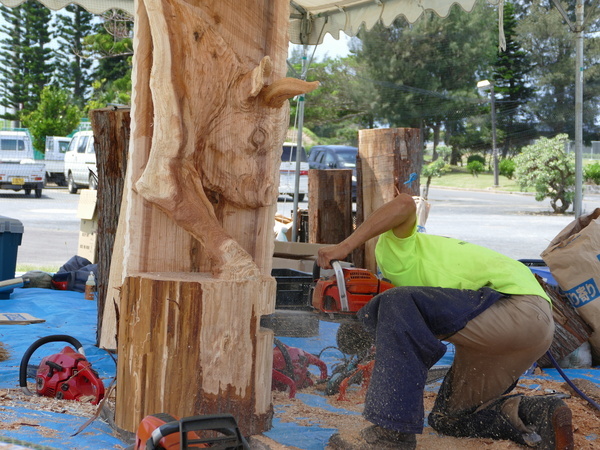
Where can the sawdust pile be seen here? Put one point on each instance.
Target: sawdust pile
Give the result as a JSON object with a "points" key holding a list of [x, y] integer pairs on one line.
{"points": [[16, 398], [586, 419], [4, 354]]}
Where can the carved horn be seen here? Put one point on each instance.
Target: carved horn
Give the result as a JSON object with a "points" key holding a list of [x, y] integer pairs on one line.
{"points": [[258, 76], [277, 93]]}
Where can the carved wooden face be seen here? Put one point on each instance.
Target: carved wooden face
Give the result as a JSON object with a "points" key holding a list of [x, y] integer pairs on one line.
{"points": [[242, 155]]}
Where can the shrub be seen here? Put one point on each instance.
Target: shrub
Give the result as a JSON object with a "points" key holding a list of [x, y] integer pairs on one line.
{"points": [[475, 167], [473, 158], [546, 167], [507, 168], [444, 152], [591, 173]]}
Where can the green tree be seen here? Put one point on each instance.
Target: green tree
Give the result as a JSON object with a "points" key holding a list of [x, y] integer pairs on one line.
{"points": [[549, 170], [26, 58], [12, 63], [112, 46], [510, 72], [73, 25], [550, 44], [433, 169], [425, 73], [56, 115], [341, 79], [37, 53]]}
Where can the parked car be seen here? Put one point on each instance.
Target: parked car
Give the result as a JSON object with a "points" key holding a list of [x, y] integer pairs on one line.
{"points": [[54, 157], [80, 162], [18, 168], [335, 157], [287, 171]]}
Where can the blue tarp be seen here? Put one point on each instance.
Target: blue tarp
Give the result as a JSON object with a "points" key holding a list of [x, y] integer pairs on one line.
{"points": [[67, 312]]}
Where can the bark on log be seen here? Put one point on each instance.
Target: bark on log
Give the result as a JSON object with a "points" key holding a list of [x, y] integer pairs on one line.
{"points": [[329, 206], [388, 158], [111, 141]]}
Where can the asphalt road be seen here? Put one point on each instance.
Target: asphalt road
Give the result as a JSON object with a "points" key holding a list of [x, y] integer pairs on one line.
{"points": [[513, 224]]}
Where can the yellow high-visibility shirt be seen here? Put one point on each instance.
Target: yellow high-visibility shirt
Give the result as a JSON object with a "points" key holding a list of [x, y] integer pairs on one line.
{"points": [[429, 260]]}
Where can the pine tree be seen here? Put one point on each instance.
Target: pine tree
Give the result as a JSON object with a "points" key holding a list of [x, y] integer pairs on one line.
{"points": [[511, 69], [37, 53], [74, 67], [113, 47], [12, 63], [25, 58]]}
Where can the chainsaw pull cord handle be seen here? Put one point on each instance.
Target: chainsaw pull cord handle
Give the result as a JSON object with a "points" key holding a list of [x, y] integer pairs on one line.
{"points": [[37, 344]]}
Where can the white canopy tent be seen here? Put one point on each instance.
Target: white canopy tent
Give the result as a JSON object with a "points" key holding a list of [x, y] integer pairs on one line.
{"points": [[311, 20]]}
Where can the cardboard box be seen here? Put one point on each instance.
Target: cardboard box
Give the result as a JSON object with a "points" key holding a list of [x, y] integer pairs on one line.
{"points": [[88, 228]]}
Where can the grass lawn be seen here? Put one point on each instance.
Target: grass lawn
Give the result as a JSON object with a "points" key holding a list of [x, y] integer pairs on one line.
{"points": [[459, 177], [31, 267]]}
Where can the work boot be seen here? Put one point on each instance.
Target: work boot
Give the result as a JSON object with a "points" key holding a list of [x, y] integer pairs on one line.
{"points": [[552, 420], [373, 438], [380, 437]]}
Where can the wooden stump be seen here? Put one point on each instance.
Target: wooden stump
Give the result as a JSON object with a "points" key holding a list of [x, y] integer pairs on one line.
{"points": [[111, 141], [180, 349], [388, 157], [329, 206]]}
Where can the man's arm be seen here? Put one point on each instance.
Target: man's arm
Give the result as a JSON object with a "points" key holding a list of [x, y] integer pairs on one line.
{"points": [[399, 215]]}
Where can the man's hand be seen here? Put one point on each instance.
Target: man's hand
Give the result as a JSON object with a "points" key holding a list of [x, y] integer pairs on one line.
{"points": [[328, 254]]}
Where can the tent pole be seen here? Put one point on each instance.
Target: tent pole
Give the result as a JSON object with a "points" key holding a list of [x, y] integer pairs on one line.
{"points": [[299, 146], [578, 108]]}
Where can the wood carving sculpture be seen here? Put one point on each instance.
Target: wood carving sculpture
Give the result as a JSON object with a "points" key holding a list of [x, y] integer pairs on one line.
{"points": [[190, 169]]}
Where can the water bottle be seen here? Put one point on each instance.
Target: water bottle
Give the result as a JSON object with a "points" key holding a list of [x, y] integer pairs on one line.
{"points": [[90, 287]]}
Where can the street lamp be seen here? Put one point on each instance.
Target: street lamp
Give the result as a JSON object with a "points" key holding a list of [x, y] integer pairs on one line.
{"points": [[485, 85]]}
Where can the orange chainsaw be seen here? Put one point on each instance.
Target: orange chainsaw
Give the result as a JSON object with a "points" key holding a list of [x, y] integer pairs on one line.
{"points": [[338, 298]]}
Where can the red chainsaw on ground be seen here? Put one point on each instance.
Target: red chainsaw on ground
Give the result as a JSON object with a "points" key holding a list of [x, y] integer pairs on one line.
{"points": [[338, 298], [65, 375], [164, 432]]}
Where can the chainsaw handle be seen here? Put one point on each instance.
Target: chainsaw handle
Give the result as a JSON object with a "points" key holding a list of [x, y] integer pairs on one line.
{"points": [[85, 368], [223, 423], [37, 344], [317, 269]]}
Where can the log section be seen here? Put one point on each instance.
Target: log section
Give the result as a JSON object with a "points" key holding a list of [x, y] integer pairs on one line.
{"points": [[193, 347], [111, 141], [388, 157], [329, 205]]}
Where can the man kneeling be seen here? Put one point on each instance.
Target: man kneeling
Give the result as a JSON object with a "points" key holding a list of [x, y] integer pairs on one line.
{"points": [[489, 306]]}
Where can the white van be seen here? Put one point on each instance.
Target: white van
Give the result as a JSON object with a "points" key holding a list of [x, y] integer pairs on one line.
{"points": [[80, 162], [287, 172]]}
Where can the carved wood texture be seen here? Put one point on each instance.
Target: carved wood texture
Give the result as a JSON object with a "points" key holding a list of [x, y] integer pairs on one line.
{"points": [[208, 119]]}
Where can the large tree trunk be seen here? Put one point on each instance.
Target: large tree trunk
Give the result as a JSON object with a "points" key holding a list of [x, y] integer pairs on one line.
{"points": [[208, 120]]}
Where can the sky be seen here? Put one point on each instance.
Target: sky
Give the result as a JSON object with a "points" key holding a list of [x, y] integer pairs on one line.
{"points": [[334, 48]]}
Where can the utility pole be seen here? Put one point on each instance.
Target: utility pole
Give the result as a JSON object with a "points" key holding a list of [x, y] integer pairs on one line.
{"points": [[577, 28], [578, 108]]}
